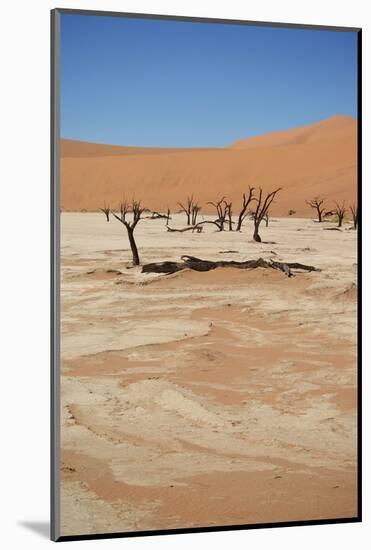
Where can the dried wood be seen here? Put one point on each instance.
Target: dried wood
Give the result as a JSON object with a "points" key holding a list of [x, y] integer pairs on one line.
{"points": [[197, 264]]}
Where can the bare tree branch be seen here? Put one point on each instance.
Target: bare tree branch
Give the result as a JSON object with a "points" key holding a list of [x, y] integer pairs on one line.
{"points": [[194, 212], [340, 213], [136, 209], [354, 211], [221, 211], [261, 210], [188, 208], [246, 199], [105, 210], [228, 214], [317, 203]]}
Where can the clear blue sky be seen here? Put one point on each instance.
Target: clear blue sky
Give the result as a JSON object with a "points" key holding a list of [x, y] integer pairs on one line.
{"points": [[186, 84]]}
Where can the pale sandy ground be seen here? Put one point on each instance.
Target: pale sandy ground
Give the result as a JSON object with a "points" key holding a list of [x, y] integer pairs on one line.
{"points": [[198, 399]]}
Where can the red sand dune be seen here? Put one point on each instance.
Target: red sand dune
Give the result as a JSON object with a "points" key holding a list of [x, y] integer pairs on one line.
{"points": [[333, 128], [320, 159]]}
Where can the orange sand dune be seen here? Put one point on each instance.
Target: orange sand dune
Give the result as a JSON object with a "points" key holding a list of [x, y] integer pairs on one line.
{"points": [[78, 149], [330, 129], [320, 159]]}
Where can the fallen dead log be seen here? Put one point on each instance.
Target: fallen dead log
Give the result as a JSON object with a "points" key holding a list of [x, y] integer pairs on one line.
{"points": [[197, 264], [195, 227], [163, 267], [172, 230], [157, 216]]}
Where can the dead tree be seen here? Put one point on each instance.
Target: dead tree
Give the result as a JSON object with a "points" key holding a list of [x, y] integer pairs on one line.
{"points": [[340, 213], [354, 211], [194, 213], [246, 199], [266, 219], [136, 210], [183, 230], [221, 210], [106, 210], [187, 209], [157, 215], [196, 264], [260, 212], [193, 228], [329, 213], [228, 214], [317, 204]]}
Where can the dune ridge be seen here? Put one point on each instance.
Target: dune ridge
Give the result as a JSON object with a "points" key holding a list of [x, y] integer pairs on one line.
{"points": [[335, 127], [320, 159]]}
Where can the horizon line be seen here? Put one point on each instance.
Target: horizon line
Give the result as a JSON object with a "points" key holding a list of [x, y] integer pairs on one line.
{"points": [[211, 147]]}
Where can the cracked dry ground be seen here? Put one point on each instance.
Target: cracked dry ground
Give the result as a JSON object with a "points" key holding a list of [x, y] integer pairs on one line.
{"points": [[201, 399]]}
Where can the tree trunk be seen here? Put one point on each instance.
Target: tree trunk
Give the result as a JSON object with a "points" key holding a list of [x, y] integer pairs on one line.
{"points": [[319, 215], [256, 235], [133, 246], [239, 223]]}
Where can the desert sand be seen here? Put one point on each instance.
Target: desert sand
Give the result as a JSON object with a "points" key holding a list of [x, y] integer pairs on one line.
{"points": [[319, 159], [199, 399]]}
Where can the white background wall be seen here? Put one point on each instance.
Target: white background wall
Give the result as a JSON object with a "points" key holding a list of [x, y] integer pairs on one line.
{"points": [[24, 267]]}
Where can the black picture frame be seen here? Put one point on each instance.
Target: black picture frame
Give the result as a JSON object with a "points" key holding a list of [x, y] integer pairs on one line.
{"points": [[55, 277]]}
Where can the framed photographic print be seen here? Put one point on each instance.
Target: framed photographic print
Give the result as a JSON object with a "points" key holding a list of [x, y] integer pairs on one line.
{"points": [[205, 274]]}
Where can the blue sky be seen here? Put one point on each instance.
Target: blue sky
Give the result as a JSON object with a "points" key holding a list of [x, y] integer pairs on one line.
{"points": [[186, 84]]}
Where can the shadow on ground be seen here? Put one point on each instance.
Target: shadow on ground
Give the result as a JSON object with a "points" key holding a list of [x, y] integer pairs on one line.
{"points": [[42, 528]]}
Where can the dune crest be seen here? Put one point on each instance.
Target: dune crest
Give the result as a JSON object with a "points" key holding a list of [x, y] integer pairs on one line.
{"points": [[320, 159], [334, 128]]}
